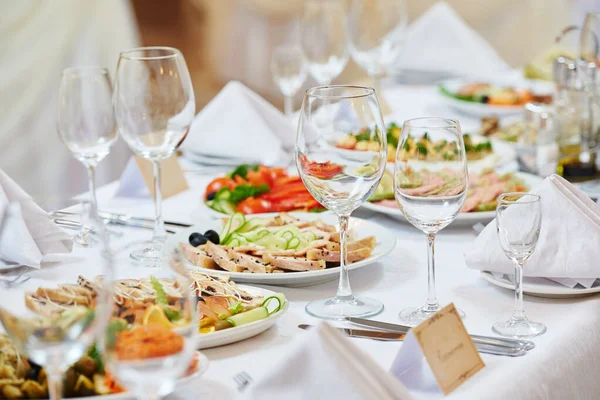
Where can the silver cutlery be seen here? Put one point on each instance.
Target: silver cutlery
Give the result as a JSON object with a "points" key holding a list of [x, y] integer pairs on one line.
{"points": [[493, 349], [242, 380], [477, 339], [122, 219], [69, 224], [17, 278]]}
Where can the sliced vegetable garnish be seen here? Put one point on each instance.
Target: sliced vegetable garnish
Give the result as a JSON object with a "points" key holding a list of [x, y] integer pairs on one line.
{"points": [[279, 297], [161, 295]]}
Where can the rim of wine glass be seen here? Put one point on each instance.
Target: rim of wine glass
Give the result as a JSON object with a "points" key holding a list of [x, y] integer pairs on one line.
{"points": [[129, 54], [85, 70], [448, 123], [367, 91], [502, 199]]}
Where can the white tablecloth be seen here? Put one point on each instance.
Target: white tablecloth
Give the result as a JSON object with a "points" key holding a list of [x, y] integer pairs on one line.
{"points": [[564, 364]]}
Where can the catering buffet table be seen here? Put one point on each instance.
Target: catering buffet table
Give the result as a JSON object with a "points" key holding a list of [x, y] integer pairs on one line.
{"points": [[563, 365]]}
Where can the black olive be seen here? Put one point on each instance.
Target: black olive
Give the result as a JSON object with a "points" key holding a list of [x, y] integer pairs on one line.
{"points": [[34, 372], [212, 236], [130, 318], [485, 99], [196, 239], [211, 196]]}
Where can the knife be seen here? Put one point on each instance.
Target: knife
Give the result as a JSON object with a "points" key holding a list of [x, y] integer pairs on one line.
{"points": [[67, 223], [117, 218], [477, 339], [396, 336]]}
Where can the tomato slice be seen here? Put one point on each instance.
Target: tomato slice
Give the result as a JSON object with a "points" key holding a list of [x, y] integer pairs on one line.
{"points": [[219, 183], [253, 205]]}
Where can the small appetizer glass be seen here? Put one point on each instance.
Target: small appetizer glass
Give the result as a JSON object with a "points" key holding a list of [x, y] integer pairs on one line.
{"points": [[53, 326], [430, 188], [518, 222], [150, 340], [339, 179], [154, 108], [86, 126]]}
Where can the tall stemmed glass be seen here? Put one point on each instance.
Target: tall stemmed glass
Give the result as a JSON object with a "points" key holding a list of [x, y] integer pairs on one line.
{"points": [[377, 30], [289, 73], [150, 340], [340, 183], [55, 324], [325, 39], [518, 222], [86, 126], [430, 188], [154, 107]]}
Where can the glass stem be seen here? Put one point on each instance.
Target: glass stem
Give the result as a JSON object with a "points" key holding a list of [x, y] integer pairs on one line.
{"points": [[344, 292], [93, 209], [519, 312], [288, 105], [432, 303], [55, 383], [159, 227], [376, 84]]}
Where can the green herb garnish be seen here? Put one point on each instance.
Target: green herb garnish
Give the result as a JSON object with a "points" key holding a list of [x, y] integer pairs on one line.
{"points": [[242, 170], [94, 354], [161, 295], [114, 326], [172, 315], [422, 149], [238, 307]]}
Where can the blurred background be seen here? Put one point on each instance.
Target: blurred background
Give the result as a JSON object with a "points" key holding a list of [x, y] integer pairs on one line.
{"points": [[222, 40]]}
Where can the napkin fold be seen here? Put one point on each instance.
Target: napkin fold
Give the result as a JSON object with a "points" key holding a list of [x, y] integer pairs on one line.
{"points": [[440, 40], [241, 126], [28, 233], [567, 250], [328, 366]]}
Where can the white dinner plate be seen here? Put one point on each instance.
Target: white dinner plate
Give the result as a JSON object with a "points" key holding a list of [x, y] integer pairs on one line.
{"points": [[485, 110], [203, 366], [386, 241], [462, 218], [238, 333], [541, 287]]}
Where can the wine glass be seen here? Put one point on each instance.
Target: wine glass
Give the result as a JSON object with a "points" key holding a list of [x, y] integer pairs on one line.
{"points": [[339, 183], [86, 126], [430, 185], [518, 222], [54, 324], [289, 73], [377, 31], [324, 39], [154, 107], [150, 340]]}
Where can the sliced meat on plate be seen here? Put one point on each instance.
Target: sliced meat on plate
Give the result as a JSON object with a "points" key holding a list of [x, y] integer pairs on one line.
{"points": [[219, 255], [197, 256], [294, 264], [334, 256], [251, 263]]}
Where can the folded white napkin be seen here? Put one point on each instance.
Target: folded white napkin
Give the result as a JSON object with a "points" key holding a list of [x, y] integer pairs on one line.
{"points": [[567, 250], [28, 233], [327, 366], [440, 40], [238, 124]]}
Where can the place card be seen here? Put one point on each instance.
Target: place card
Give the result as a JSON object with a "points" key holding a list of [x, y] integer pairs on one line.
{"points": [[137, 180], [438, 354]]}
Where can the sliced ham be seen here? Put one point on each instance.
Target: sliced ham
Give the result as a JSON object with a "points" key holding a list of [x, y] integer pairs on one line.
{"points": [[471, 202], [492, 192], [219, 255], [294, 264], [430, 182]]}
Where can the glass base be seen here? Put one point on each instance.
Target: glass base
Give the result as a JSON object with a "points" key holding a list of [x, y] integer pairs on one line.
{"points": [[413, 316], [519, 328], [83, 239], [338, 308], [148, 252]]}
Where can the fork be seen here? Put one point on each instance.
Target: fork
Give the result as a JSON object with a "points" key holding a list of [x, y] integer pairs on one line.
{"points": [[16, 280], [242, 379]]}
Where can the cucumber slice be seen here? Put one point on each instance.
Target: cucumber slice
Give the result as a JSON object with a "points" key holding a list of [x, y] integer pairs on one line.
{"points": [[227, 207], [279, 299], [293, 243], [248, 316], [231, 226]]}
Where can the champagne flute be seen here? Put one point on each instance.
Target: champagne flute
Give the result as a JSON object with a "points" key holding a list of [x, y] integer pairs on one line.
{"points": [[377, 30], [518, 222], [338, 183], [430, 189], [324, 39], [289, 73], [154, 107], [150, 340], [87, 128], [46, 324]]}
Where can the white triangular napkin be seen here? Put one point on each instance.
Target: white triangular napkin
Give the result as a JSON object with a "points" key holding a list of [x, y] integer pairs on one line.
{"points": [[327, 366], [568, 243], [28, 233], [240, 124], [440, 40]]}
